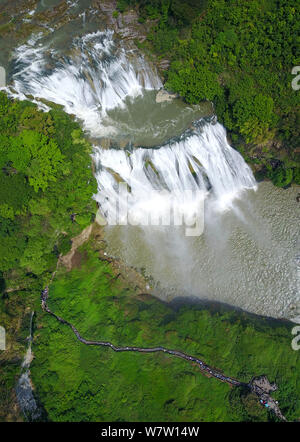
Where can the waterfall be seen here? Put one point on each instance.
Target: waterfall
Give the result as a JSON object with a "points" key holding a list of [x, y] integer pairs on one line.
{"points": [[24, 390], [96, 76], [201, 160]]}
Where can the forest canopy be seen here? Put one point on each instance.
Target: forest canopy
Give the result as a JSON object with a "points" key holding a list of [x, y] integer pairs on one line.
{"points": [[46, 188]]}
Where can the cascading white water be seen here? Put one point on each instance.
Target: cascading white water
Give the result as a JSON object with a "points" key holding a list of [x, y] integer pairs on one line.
{"points": [[95, 77], [199, 161]]}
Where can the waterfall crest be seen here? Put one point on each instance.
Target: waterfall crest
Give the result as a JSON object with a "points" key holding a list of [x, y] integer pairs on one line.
{"points": [[201, 160], [96, 76]]}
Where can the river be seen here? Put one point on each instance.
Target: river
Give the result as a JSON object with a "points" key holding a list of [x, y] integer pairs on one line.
{"points": [[246, 255]]}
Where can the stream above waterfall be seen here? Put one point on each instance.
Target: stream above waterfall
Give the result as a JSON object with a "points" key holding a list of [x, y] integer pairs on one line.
{"points": [[246, 255]]}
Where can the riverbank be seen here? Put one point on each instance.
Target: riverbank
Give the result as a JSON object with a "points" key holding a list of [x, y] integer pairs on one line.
{"points": [[259, 385], [106, 300], [81, 380]]}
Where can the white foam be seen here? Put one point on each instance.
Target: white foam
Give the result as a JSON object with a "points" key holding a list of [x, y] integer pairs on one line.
{"points": [[200, 161], [95, 77]]}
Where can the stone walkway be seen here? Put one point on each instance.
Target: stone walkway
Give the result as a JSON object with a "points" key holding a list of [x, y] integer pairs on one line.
{"points": [[258, 385]]}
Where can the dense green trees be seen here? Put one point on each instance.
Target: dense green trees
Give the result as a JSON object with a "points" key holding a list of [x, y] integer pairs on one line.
{"points": [[36, 156], [194, 84], [45, 177], [182, 12]]}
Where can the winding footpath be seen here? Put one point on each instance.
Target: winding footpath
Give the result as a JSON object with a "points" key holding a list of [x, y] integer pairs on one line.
{"points": [[255, 386]]}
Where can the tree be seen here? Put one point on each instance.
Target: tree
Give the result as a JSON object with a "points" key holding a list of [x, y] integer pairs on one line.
{"points": [[281, 176], [37, 156], [195, 84]]}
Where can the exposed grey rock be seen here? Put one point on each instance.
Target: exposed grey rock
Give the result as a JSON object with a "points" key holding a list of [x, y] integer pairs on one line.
{"points": [[26, 398], [164, 95]]}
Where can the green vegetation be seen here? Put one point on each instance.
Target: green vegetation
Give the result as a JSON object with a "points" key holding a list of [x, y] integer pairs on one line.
{"points": [[45, 177], [238, 54], [77, 382]]}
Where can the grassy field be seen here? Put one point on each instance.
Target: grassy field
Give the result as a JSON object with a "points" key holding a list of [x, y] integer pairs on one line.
{"points": [[79, 383]]}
